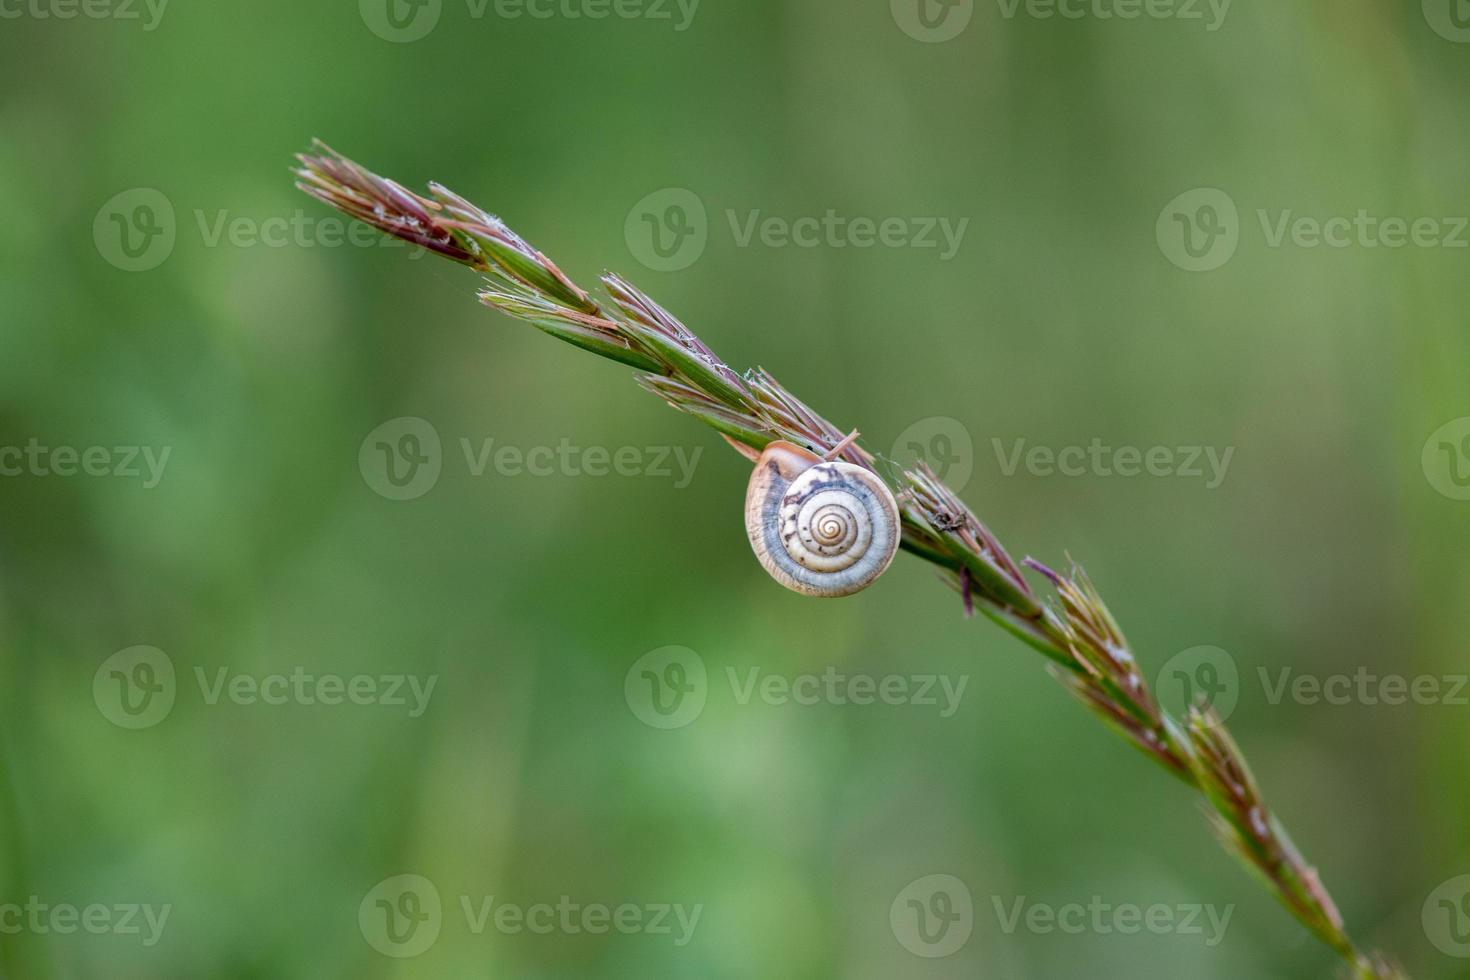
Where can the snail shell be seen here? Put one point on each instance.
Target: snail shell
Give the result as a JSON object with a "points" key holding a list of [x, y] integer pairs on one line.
{"points": [[820, 527]]}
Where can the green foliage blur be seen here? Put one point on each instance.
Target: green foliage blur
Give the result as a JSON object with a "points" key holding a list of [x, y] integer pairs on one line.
{"points": [[267, 564]]}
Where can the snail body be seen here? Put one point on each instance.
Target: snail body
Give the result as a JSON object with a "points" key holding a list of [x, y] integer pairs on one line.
{"points": [[820, 527]]}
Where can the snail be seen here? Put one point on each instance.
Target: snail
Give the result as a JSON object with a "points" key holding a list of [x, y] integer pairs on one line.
{"points": [[820, 526]]}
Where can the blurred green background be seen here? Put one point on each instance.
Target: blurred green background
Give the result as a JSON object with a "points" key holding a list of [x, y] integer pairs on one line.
{"points": [[1335, 544]]}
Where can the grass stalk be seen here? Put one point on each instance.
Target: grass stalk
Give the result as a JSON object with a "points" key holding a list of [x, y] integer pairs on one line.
{"points": [[1073, 629]]}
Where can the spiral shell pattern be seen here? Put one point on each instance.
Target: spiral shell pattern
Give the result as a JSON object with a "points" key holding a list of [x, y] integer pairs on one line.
{"points": [[820, 528]]}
